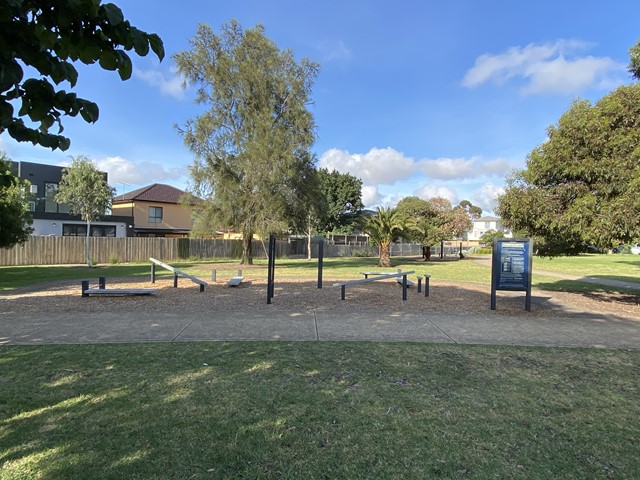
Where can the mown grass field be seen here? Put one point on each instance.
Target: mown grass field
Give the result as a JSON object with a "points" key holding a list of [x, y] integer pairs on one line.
{"points": [[334, 410], [617, 267]]}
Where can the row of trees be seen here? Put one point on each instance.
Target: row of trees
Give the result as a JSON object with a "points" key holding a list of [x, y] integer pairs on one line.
{"points": [[253, 167], [428, 222]]}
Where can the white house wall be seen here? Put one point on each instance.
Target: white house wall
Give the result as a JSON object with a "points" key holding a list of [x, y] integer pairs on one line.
{"points": [[45, 228]]}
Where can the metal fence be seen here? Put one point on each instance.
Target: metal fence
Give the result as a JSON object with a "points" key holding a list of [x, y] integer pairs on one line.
{"points": [[72, 250]]}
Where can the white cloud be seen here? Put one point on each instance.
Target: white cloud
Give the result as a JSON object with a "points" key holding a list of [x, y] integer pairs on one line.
{"points": [[169, 84], [371, 196], [431, 191], [546, 68], [448, 168], [121, 170], [498, 167], [485, 197], [334, 50], [379, 166], [461, 168]]}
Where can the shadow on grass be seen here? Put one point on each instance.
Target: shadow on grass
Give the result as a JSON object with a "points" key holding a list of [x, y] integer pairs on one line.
{"points": [[316, 410], [592, 289]]}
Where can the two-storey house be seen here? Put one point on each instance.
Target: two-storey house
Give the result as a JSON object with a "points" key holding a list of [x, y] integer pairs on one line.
{"points": [[51, 218], [157, 210]]}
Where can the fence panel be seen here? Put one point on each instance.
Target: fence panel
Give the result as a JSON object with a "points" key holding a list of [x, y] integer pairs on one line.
{"points": [[71, 250]]}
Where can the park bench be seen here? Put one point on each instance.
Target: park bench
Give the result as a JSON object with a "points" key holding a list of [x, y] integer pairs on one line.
{"points": [[398, 279], [373, 277], [176, 273], [120, 292]]}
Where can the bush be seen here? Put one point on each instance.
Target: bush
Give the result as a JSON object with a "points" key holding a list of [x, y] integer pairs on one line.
{"points": [[113, 259]]}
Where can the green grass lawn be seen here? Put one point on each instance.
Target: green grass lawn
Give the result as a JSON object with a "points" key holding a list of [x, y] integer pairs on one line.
{"points": [[620, 267], [334, 410], [616, 267]]}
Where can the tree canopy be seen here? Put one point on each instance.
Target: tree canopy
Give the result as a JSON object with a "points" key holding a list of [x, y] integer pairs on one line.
{"points": [[15, 220], [581, 186], [48, 37], [436, 220], [340, 201], [253, 165], [634, 62], [472, 210], [84, 188]]}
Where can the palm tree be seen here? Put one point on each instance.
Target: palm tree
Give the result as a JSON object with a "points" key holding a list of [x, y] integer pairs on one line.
{"points": [[385, 228]]}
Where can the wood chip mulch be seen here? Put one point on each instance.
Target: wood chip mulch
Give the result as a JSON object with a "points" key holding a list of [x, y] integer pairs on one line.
{"points": [[293, 296]]}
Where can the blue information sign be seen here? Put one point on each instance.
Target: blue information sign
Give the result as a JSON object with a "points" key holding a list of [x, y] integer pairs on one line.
{"points": [[511, 267]]}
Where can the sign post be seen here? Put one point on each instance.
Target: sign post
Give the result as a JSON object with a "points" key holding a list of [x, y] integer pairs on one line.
{"points": [[511, 267]]}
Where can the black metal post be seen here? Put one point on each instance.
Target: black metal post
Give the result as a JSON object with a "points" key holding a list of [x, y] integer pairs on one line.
{"points": [[419, 284], [320, 261], [404, 288], [343, 291], [102, 282], [271, 267], [85, 286], [426, 285], [175, 280], [153, 273]]}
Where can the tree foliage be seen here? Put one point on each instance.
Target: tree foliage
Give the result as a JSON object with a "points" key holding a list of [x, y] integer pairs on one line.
{"points": [[49, 37], [487, 237], [252, 161], [436, 220], [634, 62], [84, 188], [472, 210], [15, 220], [581, 186], [386, 227], [340, 201]]}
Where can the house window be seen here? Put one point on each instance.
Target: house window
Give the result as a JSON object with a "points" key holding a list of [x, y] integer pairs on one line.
{"points": [[487, 224], [80, 230], [155, 214], [103, 230], [74, 230], [50, 204]]}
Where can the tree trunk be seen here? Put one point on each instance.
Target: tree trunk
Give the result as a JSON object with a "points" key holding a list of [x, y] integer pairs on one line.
{"points": [[385, 255], [88, 244], [247, 257], [427, 253]]}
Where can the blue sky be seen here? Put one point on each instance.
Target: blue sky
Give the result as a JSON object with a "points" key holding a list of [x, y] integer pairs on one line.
{"points": [[415, 97]]}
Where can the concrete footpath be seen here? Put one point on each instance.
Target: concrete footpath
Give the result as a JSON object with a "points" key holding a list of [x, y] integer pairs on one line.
{"points": [[571, 329]]}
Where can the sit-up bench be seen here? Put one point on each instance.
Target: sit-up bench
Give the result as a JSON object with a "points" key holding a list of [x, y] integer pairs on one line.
{"points": [[120, 292]]}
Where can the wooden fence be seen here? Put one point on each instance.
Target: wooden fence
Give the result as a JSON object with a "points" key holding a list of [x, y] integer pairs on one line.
{"points": [[71, 250]]}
